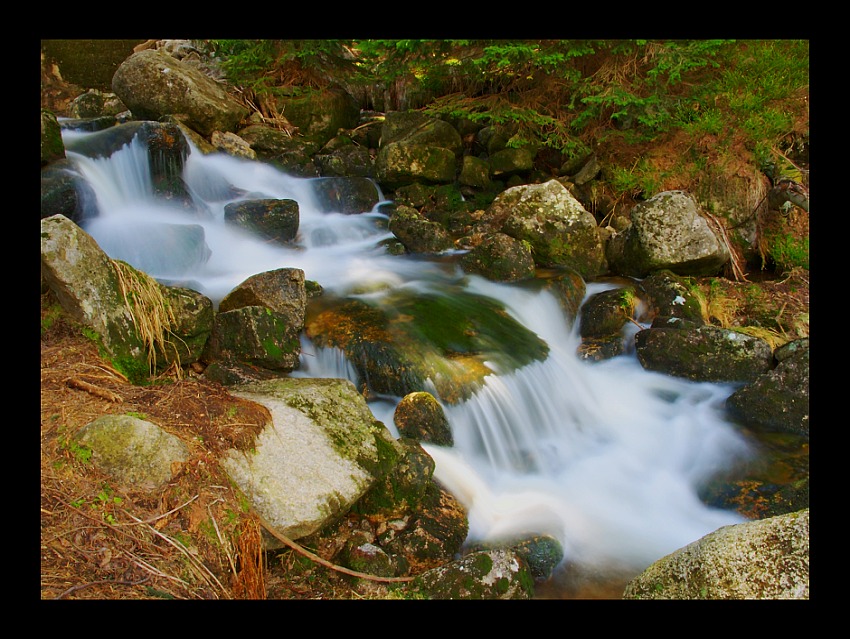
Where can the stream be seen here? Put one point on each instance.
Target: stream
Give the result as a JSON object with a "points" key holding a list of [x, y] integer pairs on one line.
{"points": [[605, 456]]}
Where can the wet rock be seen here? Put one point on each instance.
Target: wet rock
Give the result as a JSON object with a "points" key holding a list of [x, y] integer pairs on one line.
{"points": [[419, 416], [501, 258], [707, 353], [276, 220], [777, 400]]}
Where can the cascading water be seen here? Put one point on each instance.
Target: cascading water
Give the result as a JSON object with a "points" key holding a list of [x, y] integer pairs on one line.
{"points": [[606, 456]]}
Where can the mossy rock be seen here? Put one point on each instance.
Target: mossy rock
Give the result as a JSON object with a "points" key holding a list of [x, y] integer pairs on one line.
{"points": [[452, 340]]}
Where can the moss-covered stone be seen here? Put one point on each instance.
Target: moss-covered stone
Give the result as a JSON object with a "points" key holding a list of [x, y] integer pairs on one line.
{"points": [[419, 416], [52, 147], [501, 258], [452, 340]]}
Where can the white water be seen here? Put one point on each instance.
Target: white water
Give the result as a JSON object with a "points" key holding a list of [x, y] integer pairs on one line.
{"points": [[606, 456]]}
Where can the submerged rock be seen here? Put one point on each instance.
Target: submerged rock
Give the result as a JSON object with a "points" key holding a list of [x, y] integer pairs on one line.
{"points": [[414, 341]]}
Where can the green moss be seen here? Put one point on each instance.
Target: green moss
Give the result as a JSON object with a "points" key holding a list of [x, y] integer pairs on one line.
{"points": [[482, 563], [271, 348], [50, 317], [468, 323], [134, 369], [788, 252]]}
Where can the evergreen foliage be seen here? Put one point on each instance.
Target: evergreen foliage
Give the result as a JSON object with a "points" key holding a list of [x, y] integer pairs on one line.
{"points": [[556, 92]]}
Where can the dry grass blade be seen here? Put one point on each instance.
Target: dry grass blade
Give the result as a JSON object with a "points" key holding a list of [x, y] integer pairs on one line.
{"points": [[249, 582], [736, 258], [224, 543], [198, 566], [152, 315]]}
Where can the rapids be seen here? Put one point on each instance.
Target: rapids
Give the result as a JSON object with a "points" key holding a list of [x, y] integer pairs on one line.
{"points": [[605, 456]]}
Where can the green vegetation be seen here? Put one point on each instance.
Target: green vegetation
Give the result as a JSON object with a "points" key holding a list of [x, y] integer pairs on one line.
{"points": [[50, 317], [557, 93], [788, 252], [80, 452]]}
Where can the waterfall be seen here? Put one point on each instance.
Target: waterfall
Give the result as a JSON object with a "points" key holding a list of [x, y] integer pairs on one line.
{"points": [[604, 455]]}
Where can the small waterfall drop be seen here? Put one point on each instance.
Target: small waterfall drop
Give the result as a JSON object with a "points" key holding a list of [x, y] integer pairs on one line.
{"points": [[606, 456]]}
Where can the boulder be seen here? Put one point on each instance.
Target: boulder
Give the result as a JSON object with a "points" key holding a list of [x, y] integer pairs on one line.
{"points": [[568, 288], [87, 286], [351, 160], [321, 454], [348, 195], [474, 172], [501, 258], [65, 192], [282, 290], [153, 84], [667, 296], [607, 312], [452, 342], [706, 353], [419, 416], [777, 400], [508, 162], [52, 148], [136, 452], [400, 492], [256, 336], [319, 115], [416, 128], [667, 231], [560, 232], [230, 143], [276, 220], [763, 559], [418, 233], [487, 574], [401, 163]]}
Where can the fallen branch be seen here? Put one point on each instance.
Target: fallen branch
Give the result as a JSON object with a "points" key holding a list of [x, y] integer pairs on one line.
{"points": [[109, 396]]}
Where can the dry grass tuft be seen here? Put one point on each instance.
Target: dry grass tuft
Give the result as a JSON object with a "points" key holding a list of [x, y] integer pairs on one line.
{"points": [[152, 315]]}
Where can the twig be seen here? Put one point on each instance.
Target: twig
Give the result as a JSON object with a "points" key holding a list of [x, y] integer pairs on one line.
{"points": [[209, 576], [141, 563], [635, 322], [109, 396]]}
